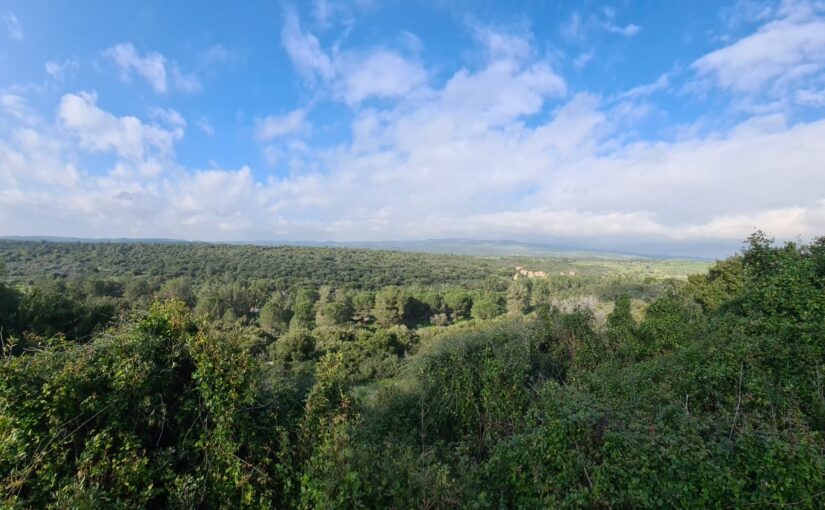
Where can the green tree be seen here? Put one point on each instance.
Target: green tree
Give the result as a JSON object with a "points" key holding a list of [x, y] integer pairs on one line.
{"points": [[390, 306], [275, 315], [487, 307], [303, 311], [621, 329], [541, 293], [459, 302], [723, 281], [178, 288], [670, 322], [336, 311], [362, 304], [518, 296], [137, 289]]}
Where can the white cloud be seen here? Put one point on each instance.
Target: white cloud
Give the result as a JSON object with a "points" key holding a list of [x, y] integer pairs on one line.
{"points": [[215, 54], [573, 28], [382, 74], [100, 131], [774, 60], [582, 59], [13, 28], [16, 106], [810, 97], [57, 70], [498, 149], [578, 28], [352, 76], [629, 30], [434, 168], [503, 45], [411, 42], [184, 82], [31, 156], [272, 127], [305, 50], [173, 120], [205, 126], [661, 83], [152, 67]]}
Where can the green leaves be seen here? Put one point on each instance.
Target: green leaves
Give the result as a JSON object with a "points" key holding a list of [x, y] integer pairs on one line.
{"points": [[714, 399]]}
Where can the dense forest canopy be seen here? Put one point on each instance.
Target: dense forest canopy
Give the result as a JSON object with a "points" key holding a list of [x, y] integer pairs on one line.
{"points": [[294, 265], [200, 376]]}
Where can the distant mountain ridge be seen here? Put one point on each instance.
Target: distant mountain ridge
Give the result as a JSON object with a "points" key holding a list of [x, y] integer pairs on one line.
{"points": [[468, 247], [490, 248], [61, 239]]}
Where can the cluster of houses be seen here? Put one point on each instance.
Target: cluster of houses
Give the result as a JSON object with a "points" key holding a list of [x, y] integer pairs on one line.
{"points": [[521, 272]]}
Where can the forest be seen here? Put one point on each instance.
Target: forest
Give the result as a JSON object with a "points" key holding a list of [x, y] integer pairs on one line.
{"points": [[193, 375]]}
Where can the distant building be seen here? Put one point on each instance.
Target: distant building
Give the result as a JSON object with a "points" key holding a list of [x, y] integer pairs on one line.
{"points": [[520, 271]]}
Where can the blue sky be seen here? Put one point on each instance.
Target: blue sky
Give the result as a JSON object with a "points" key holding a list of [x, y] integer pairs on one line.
{"points": [[663, 127]]}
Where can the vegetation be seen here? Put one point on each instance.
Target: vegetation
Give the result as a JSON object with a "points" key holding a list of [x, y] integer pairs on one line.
{"points": [[195, 376]]}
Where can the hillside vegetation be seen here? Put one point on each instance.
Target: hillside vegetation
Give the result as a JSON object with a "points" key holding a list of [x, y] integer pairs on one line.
{"points": [[199, 376]]}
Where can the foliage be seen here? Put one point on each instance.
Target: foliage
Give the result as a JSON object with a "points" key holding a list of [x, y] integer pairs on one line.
{"points": [[705, 393], [487, 307], [390, 306], [518, 296]]}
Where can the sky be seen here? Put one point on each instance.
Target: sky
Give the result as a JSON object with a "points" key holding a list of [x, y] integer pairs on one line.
{"points": [[675, 127]]}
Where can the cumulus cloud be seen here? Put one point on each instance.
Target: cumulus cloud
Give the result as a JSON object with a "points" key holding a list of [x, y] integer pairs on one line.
{"points": [[380, 74], [128, 137], [431, 176], [153, 67]]}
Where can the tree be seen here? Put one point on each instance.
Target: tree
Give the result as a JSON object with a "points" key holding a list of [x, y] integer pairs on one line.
{"points": [[670, 322], [432, 301], [137, 289], [724, 280], [335, 311], [303, 311], [518, 296], [9, 304], [275, 315], [541, 293], [459, 303], [362, 305], [51, 307], [296, 345], [390, 305], [178, 288], [487, 307], [621, 328], [216, 300]]}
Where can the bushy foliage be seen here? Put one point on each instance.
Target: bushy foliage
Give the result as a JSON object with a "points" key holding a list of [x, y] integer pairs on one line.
{"points": [[161, 412], [713, 399], [487, 307]]}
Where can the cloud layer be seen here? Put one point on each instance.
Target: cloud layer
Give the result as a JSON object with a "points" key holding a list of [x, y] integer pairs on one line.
{"points": [[503, 148]]}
